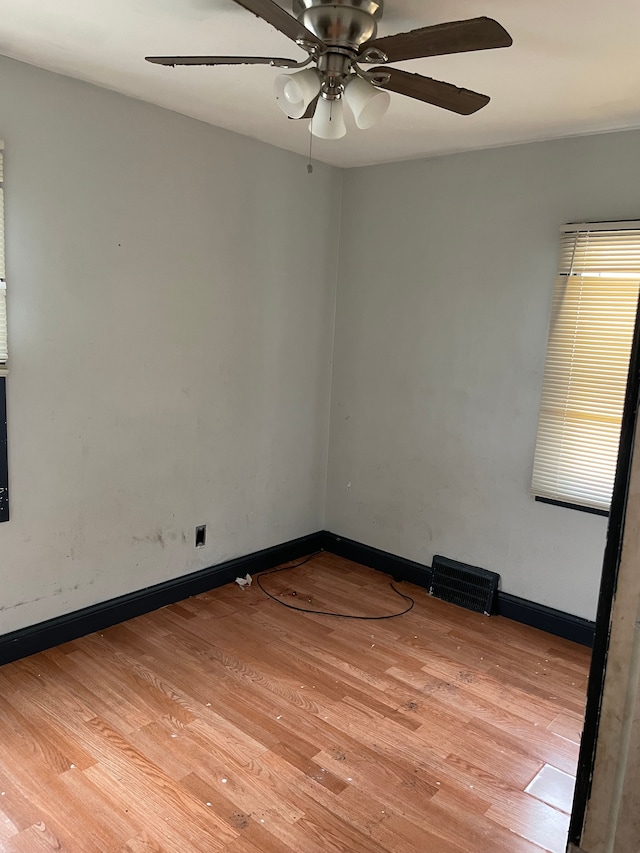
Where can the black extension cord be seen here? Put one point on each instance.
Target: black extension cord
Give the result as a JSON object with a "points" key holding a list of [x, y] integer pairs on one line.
{"points": [[327, 612]]}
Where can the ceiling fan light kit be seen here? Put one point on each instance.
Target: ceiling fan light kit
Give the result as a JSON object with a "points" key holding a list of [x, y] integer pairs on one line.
{"points": [[367, 103], [328, 119], [294, 92], [339, 36]]}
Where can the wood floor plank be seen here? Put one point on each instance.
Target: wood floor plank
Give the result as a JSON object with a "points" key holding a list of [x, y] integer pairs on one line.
{"points": [[229, 723], [568, 726], [38, 838], [142, 843]]}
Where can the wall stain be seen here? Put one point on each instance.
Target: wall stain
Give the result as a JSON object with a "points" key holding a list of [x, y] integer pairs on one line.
{"points": [[155, 538]]}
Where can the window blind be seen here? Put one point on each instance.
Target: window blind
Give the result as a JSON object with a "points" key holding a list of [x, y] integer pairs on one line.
{"points": [[3, 284], [593, 316]]}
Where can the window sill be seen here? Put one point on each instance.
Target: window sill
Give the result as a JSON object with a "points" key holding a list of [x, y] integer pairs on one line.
{"points": [[591, 510]]}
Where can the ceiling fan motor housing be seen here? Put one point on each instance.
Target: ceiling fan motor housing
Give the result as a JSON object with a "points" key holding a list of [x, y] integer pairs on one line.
{"points": [[340, 23]]}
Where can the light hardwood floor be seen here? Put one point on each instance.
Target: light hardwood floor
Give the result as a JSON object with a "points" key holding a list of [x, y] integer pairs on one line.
{"points": [[230, 723]]}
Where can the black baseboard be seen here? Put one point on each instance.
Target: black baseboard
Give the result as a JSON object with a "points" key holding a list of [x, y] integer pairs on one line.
{"points": [[519, 609], [70, 626], [547, 619], [399, 568]]}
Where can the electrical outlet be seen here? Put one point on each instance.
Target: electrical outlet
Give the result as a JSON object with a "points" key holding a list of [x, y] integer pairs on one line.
{"points": [[201, 535]]}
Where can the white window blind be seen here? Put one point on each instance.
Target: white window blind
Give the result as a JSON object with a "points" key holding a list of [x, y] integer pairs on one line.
{"points": [[585, 376], [3, 285]]}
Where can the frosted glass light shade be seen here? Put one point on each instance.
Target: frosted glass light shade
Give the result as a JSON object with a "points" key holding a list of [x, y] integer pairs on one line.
{"points": [[294, 92], [328, 120], [368, 104]]}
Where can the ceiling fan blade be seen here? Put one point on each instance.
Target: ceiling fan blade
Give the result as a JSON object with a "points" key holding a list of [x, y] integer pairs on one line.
{"points": [[445, 95], [453, 37], [281, 20], [222, 60], [310, 111]]}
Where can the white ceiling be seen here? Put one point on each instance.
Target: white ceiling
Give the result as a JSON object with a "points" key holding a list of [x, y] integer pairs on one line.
{"points": [[574, 68]]}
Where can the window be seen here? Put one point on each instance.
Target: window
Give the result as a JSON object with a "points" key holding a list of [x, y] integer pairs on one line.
{"points": [[4, 475], [593, 317]]}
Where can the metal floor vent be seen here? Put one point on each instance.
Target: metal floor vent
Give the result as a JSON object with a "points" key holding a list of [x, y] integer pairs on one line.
{"points": [[466, 586]]}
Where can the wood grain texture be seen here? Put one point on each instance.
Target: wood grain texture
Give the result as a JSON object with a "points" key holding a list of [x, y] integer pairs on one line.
{"points": [[228, 723]]}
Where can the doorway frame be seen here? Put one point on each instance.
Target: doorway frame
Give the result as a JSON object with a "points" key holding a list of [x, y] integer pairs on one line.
{"points": [[606, 597]]}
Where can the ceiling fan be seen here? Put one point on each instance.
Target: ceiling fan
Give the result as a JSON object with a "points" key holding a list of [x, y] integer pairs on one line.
{"points": [[339, 37]]}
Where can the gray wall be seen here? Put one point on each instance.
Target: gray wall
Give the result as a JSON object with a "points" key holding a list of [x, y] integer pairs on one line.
{"points": [[171, 308], [444, 294]]}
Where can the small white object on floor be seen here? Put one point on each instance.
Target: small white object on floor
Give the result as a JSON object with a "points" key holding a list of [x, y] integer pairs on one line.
{"points": [[245, 581]]}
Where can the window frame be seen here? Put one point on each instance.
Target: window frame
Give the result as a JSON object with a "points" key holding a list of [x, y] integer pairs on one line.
{"points": [[4, 463], [3, 281]]}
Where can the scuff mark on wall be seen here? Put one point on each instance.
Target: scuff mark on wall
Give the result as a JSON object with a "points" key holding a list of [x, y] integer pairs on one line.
{"points": [[56, 592]]}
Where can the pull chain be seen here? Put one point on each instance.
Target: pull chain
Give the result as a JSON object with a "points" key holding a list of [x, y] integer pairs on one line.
{"points": [[310, 164]]}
